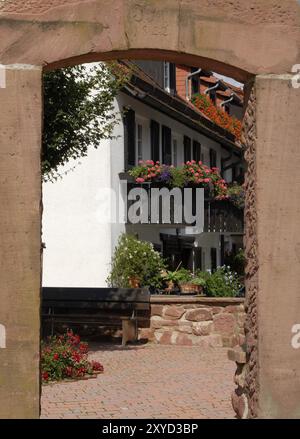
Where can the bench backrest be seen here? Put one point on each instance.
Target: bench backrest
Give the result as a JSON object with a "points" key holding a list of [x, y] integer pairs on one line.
{"points": [[96, 298]]}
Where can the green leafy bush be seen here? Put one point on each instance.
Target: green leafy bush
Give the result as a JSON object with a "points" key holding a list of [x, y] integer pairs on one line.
{"points": [[222, 283], [135, 259]]}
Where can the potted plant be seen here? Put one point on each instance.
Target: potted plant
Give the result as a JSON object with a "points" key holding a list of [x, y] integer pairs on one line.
{"points": [[185, 281], [135, 264], [199, 284], [171, 279]]}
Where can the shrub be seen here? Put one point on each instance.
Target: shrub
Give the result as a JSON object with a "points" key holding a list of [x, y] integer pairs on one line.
{"points": [[135, 259], [65, 356], [222, 283]]}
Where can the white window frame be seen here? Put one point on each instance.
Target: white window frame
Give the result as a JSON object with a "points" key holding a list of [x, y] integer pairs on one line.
{"points": [[167, 76], [139, 141], [175, 155]]}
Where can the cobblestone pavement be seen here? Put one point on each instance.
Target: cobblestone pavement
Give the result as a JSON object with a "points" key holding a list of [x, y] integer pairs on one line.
{"points": [[148, 381]]}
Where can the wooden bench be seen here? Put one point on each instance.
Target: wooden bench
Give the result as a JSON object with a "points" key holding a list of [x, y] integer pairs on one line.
{"points": [[95, 306]]}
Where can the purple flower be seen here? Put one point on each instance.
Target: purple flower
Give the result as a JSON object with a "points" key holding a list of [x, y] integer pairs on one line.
{"points": [[165, 176]]}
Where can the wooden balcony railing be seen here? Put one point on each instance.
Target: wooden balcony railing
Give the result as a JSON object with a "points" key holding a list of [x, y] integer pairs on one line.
{"points": [[219, 215]]}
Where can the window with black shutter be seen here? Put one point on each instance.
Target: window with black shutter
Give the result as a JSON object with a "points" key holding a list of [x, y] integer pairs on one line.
{"points": [[129, 138], [173, 78], [170, 77], [187, 146], [196, 151], [166, 145], [234, 172], [213, 259], [154, 133], [213, 158]]}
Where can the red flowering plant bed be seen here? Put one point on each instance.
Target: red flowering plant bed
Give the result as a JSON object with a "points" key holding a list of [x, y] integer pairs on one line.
{"points": [[217, 115], [66, 356], [191, 173]]}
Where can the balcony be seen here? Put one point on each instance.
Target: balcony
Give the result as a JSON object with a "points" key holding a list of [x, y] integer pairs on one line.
{"points": [[217, 216]]}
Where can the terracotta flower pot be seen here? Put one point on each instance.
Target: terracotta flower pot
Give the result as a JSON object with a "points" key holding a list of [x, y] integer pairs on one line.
{"points": [[134, 282], [198, 289], [170, 286], [187, 288]]}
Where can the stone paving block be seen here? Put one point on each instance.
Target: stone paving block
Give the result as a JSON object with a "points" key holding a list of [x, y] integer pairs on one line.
{"points": [[149, 381]]}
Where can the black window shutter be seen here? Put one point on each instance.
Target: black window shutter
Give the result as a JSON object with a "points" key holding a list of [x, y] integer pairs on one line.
{"points": [[213, 158], [213, 258], [166, 146], [129, 138], [196, 151], [187, 148], [172, 73], [154, 130]]}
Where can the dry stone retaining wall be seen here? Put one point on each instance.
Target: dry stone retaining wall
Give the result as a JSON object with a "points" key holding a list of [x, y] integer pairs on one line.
{"points": [[200, 321]]}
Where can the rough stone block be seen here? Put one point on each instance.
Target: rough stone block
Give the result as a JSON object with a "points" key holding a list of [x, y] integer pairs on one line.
{"points": [[234, 309], [237, 354], [224, 324], [240, 404], [230, 341], [158, 322], [240, 376], [163, 337], [184, 340], [202, 328], [146, 333], [199, 315], [173, 312], [187, 329], [157, 310], [241, 318], [217, 309]]}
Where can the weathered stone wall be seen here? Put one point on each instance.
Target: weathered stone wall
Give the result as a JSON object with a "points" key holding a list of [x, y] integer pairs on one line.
{"points": [[78, 30], [245, 396], [200, 321]]}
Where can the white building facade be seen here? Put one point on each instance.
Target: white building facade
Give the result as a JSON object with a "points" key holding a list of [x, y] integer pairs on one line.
{"points": [[80, 230]]}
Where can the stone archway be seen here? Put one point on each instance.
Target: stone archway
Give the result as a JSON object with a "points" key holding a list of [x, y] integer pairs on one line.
{"points": [[255, 43]]}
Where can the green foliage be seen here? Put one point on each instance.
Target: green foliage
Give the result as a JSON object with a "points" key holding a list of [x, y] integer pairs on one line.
{"points": [[78, 112], [236, 194], [222, 283], [178, 178], [197, 280], [135, 259], [237, 261], [184, 275], [177, 276]]}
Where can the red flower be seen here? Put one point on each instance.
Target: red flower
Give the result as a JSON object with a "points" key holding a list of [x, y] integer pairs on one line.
{"points": [[45, 376], [69, 371], [97, 366], [55, 357]]}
